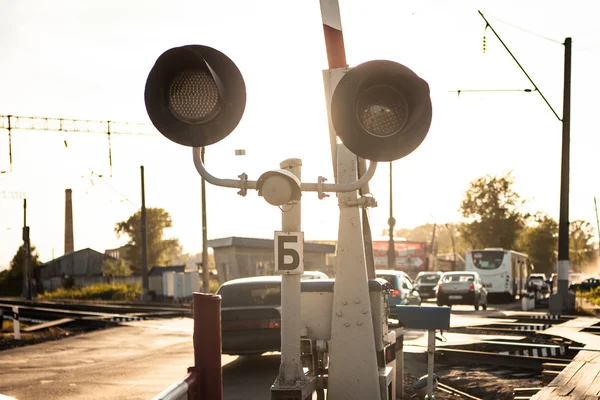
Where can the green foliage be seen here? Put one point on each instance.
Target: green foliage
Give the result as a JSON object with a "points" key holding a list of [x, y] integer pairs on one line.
{"points": [[493, 209], [18, 262], [213, 285], [160, 250], [122, 291], [112, 268], [593, 296], [581, 246], [540, 242], [444, 233], [11, 279]]}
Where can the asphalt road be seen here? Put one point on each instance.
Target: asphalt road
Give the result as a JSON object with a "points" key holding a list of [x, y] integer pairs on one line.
{"points": [[135, 361]]}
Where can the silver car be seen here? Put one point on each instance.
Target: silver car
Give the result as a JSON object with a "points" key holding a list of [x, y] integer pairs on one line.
{"points": [[461, 287]]}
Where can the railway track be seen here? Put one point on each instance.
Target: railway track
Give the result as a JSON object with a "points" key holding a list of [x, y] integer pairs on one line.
{"points": [[49, 314]]}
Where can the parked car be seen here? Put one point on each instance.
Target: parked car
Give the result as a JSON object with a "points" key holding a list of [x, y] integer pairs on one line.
{"points": [[426, 283], [250, 313], [538, 282], [461, 287], [403, 292], [588, 284], [313, 275]]}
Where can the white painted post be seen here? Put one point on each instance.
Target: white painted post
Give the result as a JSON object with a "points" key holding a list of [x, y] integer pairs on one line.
{"points": [[430, 355], [16, 323], [353, 370], [290, 371]]}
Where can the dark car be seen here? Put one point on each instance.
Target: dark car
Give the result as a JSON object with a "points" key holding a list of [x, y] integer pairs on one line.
{"points": [[403, 293], [250, 315], [588, 284], [462, 288], [426, 283]]}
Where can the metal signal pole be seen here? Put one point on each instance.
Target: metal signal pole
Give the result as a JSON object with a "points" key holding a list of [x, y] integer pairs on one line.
{"points": [[562, 300], [597, 224], [144, 228], [391, 222], [563, 223], [205, 276], [27, 250]]}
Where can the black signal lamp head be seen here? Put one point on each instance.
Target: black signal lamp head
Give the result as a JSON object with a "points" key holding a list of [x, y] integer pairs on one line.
{"points": [[195, 95], [381, 110]]}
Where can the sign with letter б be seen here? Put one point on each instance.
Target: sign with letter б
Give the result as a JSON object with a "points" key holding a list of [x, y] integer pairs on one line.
{"points": [[289, 252]]}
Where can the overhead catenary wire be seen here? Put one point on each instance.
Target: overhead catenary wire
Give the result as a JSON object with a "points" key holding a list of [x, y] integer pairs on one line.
{"points": [[519, 64], [12, 122]]}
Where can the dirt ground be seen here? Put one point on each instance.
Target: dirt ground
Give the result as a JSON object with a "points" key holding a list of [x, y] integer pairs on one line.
{"points": [[7, 340], [484, 382]]}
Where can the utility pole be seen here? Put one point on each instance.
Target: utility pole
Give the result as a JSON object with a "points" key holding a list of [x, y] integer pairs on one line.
{"points": [[453, 248], [391, 222], [563, 223], [205, 276], [144, 228], [430, 263], [562, 301], [597, 224], [27, 249]]}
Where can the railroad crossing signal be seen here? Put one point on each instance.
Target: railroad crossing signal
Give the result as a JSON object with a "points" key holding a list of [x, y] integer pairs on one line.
{"points": [[381, 110], [195, 95]]}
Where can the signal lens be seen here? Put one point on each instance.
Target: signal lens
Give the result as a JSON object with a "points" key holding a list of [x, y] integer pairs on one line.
{"points": [[471, 287], [382, 110], [395, 293], [194, 96]]}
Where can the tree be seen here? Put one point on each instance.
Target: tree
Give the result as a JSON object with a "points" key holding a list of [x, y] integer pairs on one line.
{"points": [[112, 268], [540, 242], [581, 246], [18, 262], [493, 210], [157, 220], [443, 236], [11, 280]]}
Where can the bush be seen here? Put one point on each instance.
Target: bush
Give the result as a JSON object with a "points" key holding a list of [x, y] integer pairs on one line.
{"points": [[103, 291], [593, 296]]}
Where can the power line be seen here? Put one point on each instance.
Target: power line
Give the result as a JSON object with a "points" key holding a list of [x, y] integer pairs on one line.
{"points": [[526, 30], [101, 177], [108, 128]]}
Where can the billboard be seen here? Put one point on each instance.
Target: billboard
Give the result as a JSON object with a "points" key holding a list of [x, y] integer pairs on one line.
{"points": [[410, 256]]}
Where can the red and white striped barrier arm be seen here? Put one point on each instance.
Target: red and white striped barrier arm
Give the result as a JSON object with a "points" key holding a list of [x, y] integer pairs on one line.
{"points": [[334, 38]]}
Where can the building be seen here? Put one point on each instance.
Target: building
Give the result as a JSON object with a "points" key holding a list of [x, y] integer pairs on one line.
{"points": [[411, 257], [82, 267], [237, 257], [155, 277], [447, 261]]}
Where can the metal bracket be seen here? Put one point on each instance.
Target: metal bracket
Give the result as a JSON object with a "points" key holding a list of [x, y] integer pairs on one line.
{"points": [[322, 194], [364, 201], [244, 184]]}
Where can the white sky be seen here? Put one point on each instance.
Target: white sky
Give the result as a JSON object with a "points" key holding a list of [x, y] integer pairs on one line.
{"points": [[90, 59]]}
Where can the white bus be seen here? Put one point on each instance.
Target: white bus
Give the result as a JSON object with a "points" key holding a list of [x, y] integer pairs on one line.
{"points": [[504, 272]]}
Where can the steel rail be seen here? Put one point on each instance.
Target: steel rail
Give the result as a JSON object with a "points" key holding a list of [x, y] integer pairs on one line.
{"points": [[456, 391], [455, 356]]}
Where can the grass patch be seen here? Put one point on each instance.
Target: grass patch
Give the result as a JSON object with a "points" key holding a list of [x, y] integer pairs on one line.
{"points": [[592, 296], [103, 291]]}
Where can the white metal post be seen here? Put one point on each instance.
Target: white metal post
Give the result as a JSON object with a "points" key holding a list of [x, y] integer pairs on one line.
{"points": [[16, 323], [290, 371], [353, 370], [430, 360]]}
